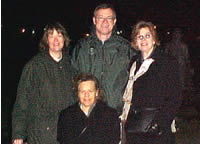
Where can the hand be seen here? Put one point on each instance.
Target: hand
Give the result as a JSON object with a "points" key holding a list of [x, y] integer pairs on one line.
{"points": [[17, 141], [155, 129]]}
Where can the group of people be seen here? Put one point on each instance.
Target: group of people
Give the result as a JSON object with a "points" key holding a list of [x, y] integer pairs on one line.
{"points": [[110, 91]]}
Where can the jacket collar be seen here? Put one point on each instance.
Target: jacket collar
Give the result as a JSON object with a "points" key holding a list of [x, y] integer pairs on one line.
{"points": [[93, 32], [156, 54]]}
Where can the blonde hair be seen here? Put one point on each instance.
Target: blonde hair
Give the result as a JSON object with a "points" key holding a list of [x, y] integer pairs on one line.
{"points": [[136, 29]]}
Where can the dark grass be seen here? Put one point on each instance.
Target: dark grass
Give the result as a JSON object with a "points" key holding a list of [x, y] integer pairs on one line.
{"points": [[188, 123]]}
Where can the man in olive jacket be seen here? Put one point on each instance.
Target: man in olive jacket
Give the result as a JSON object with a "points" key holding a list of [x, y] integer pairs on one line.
{"points": [[104, 54], [45, 88]]}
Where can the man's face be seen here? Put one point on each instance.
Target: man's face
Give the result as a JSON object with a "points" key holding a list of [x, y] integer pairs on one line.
{"points": [[104, 21]]}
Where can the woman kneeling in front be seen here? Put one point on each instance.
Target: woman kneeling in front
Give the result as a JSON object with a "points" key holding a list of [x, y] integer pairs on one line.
{"points": [[89, 121]]}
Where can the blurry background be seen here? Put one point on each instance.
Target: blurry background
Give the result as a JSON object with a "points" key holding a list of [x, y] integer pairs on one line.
{"points": [[22, 25]]}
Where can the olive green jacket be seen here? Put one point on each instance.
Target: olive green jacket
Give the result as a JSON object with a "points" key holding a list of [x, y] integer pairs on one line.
{"points": [[45, 88], [107, 61]]}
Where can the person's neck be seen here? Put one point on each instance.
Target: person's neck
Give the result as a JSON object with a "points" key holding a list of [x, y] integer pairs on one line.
{"points": [[56, 55], [147, 54], [85, 109], [103, 37]]}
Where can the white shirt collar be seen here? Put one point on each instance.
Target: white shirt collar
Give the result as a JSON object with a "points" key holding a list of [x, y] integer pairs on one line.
{"points": [[56, 59]]}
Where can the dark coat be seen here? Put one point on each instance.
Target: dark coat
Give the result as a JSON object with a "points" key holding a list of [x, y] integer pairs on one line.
{"points": [[101, 127], [107, 61], [45, 88], [158, 88]]}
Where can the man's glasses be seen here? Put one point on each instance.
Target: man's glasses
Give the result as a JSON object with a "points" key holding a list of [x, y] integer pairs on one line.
{"points": [[101, 18], [141, 37]]}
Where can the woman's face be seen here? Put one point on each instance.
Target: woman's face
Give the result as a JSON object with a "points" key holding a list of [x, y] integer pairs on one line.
{"points": [[87, 93], [55, 41], [145, 40]]}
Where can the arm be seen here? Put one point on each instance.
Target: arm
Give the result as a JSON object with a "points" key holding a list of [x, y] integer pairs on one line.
{"points": [[112, 131], [75, 57], [81, 60], [63, 128], [20, 111], [115, 129], [60, 129], [172, 94]]}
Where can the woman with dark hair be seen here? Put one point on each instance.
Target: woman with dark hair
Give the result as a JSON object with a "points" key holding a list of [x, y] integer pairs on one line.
{"points": [[48, 30], [153, 91], [89, 121], [45, 88]]}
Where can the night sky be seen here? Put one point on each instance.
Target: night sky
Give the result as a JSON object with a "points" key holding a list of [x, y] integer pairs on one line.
{"points": [[76, 16]]}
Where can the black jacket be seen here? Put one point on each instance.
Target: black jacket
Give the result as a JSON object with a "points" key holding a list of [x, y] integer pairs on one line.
{"points": [[158, 88], [101, 127]]}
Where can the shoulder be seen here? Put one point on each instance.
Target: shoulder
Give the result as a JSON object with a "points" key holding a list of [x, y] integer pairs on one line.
{"points": [[121, 40], [85, 40], [162, 56], [69, 110], [166, 61], [132, 60], [34, 61], [102, 106], [82, 44], [41, 56]]}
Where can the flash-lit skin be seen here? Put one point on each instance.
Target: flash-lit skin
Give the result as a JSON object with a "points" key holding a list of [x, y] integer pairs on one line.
{"points": [[87, 94], [18, 141], [145, 45], [104, 28], [55, 42]]}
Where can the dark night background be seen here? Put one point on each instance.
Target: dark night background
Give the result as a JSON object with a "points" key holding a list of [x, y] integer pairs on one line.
{"points": [[17, 48]]}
